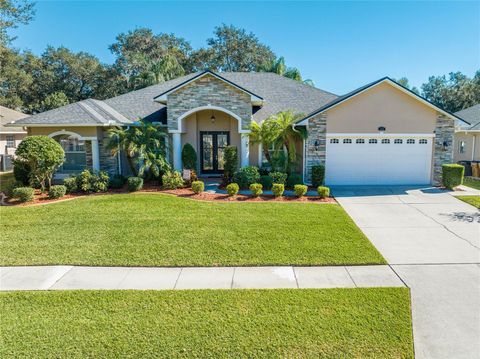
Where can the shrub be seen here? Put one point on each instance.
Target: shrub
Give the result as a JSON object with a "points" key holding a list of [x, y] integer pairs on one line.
{"points": [[278, 189], [23, 194], [230, 165], [198, 187], [323, 192], [57, 191], [11, 187], [256, 189], [452, 175], [318, 175], [70, 184], [293, 180], [92, 182], [21, 172], [43, 155], [134, 184], [266, 182], [246, 176], [189, 157], [117, 181], [278, 177], [172, 180], [300, 190], [232, 189]]}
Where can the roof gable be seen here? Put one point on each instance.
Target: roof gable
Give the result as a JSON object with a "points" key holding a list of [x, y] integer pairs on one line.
{"points": [[472, 115]]}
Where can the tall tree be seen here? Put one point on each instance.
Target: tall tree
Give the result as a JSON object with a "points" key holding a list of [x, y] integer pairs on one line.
{"points": [[266, 134], [404, 82], [15, 81], [12, 14]]}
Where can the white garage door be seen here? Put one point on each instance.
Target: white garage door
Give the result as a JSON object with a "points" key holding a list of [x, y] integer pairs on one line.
{"points": [[378, 160]]}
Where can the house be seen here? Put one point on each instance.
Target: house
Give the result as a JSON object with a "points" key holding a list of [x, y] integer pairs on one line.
{"points": [[10, 137], [467, 136], [381, 133]]}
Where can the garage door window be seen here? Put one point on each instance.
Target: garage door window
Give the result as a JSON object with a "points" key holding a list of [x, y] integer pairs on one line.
{"points": [[334, 140], [410, 141], [422, 141], [360, 141], [385, 141], [398, 141], [372, 141], [347, 140]]}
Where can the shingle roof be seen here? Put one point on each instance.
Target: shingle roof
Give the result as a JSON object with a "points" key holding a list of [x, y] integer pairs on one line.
{"points": [[472, 115], [7, 116]]}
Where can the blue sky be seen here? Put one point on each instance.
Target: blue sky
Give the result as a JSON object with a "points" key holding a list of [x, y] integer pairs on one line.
{"points": [[339, 45]]}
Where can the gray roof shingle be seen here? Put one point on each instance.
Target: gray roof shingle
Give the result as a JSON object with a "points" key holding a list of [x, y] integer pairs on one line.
{"points": [[471, 115], [7, 116]]}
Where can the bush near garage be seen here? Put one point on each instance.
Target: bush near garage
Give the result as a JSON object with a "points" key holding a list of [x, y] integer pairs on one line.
{"points": [[293, 180], [278, 177], [300, 190], [278, 189], [266, 181], [256, 189], [452, 175], [318, 175], [323, 192]]}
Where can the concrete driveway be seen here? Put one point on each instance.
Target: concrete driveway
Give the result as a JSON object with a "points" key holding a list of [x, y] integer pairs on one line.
{"points": [[432, 241]]}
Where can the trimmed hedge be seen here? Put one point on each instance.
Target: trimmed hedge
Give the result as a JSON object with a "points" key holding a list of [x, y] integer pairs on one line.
{"points": [[256, 189], [278, 177], [70, 184], [293, 180], [318, 175], [300, 190], [232, 189], [23, 194], [247, 176], [278, 189], [189, 157], [134, 184], [266, 182], [198, 187], [57, 191], [323, 192], [452, 175], [116, 182]]}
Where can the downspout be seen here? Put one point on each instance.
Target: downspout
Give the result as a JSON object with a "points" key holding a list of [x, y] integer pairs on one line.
{"points": [[473, 147]]}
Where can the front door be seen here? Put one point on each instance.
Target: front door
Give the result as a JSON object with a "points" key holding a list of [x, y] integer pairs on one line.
{"points": [[212, 148]]}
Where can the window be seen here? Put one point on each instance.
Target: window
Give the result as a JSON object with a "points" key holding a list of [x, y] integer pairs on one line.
{"points": [[360, 140], [334, 140], [410, 141], [398, 141], [75, 154], [10, 141], [271, 152], [347, 140], [461, 147], [372, 141], [423, 141], [385, 141]]}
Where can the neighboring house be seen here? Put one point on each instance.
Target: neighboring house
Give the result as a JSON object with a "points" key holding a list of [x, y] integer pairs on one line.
{"points": [[467, 136], [381, 133], [10, 137]]}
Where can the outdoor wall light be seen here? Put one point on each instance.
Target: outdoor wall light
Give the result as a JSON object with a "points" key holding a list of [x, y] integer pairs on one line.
{"points": [[316, 144], [382, 129], [212, 118], [445, 145]]}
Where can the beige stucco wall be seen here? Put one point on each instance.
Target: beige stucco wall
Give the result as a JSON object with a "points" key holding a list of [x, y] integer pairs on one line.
{"points": [[382, 105], [467, 155], [82, 131], [3, 142]]}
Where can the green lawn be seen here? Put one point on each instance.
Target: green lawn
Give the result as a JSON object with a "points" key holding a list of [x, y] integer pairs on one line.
{"points": [[164, 230], [473, 200], [470, 182], [6, 178], [326, 323]]}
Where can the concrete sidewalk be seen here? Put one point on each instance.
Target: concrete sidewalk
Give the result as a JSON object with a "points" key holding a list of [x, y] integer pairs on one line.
{"points": [[77, 277]]}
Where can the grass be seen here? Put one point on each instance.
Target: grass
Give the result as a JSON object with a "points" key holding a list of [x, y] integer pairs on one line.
{"points": [[164, 230], [470, 182], [473, 200], [326, 323], [6, 178]]}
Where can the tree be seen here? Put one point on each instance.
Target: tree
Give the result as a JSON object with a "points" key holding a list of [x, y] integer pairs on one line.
{"points": [[54, 100], [279, 67], [144, 145], [15, 82], [404, 82], [43, 156], [266, 134], [12, 14], [189, 157]]}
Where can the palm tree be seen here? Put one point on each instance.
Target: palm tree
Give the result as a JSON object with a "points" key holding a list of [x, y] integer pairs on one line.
{"points": [[144, 144], [265, 134]]}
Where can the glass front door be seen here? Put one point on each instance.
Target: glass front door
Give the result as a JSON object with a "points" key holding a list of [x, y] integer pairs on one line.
{"points": [[212, 149]]}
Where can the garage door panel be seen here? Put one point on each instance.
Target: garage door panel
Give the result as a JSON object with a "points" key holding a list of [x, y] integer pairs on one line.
{"points": [[372, 164]]}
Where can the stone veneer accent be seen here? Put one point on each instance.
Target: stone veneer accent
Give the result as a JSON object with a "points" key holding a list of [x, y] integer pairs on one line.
{"points": [[444, 131], [88, 154], [208, 90], [315, 155], [108, 163]]}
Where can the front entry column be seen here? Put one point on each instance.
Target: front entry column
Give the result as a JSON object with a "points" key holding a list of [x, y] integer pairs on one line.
{"points": [[244, 150], [177, 151], [95, 155]]}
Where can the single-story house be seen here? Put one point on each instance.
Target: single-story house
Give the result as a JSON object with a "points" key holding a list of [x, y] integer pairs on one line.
{"points": [[467, 136], [381, 133], [10, 137]]}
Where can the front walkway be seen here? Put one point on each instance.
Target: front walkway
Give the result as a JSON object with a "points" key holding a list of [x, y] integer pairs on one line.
{"points": [[73, 277], [432, 241]]}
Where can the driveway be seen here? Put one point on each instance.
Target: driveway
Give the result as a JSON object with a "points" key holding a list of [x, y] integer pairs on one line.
{"points": [[432, 241]]}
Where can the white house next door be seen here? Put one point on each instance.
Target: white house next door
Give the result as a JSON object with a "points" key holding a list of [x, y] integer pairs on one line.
{"points": [[378, 159]]}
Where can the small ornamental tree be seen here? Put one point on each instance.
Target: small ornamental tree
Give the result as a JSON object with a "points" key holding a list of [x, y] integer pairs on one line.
{"points": [[189, 157], [43, 156], [230, 164]]}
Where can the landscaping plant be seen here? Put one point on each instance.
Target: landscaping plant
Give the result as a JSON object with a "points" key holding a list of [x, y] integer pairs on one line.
{"points": [[230, 165], [134, 184], [71, 184], [266, 182], [278, 177], [116, 182], [256, 189], [23, 194], [246, 176], [232, 189], [323, 192], [293, 180], [42, 155], [93, 182], [318, 175], [452, 175], [189, 157], [198, 187], [21, 172], [278, 189], [172, 180], [57, 191], [300, 190]]}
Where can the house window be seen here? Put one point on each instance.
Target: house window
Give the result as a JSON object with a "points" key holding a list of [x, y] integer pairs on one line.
{"points": [[385, 141], [423, 141], [271, 151], [334, 140], [347, 140], [360, 141], [10, 141], [461, 147], [398, 141], [372, 141], [410, 141], [75, 154]]}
